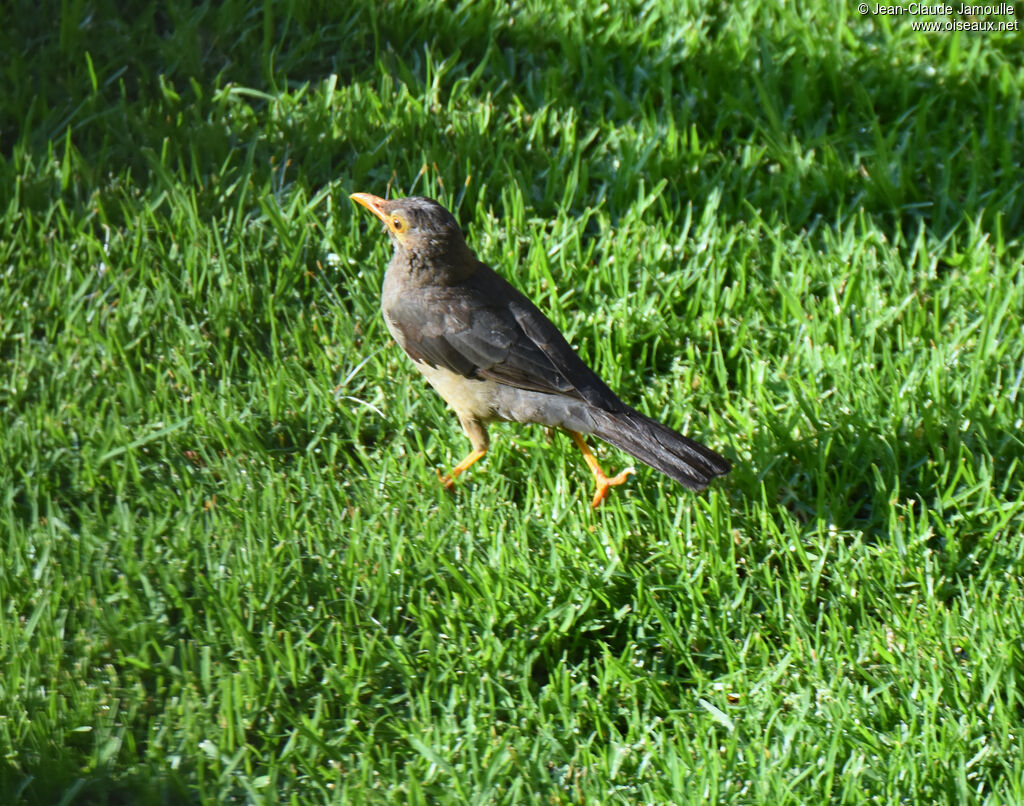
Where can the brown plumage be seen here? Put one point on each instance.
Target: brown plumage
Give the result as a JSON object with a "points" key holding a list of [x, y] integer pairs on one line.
{"points": [[492, 355]]}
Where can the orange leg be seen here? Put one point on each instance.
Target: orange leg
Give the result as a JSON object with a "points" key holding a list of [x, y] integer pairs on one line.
{"points": [[600, 479], [449, 480]]}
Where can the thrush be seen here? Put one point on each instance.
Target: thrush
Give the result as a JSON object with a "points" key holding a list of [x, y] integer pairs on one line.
{"points": [[492, 355]]}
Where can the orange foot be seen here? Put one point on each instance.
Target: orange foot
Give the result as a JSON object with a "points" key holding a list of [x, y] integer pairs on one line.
{"points": [[604, 484], [448, 480]]}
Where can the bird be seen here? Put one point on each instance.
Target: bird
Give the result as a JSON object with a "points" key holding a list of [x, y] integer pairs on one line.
{"points": [[493, 355]]}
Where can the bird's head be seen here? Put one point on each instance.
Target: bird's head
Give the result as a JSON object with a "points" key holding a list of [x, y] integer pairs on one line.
{"points": [[417, 225]]}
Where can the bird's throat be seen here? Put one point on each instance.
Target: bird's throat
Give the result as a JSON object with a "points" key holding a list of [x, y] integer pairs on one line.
{"points": [[435, 264]]}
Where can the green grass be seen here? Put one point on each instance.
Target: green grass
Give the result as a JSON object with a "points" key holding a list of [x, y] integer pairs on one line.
{"points": [[228, 572]]}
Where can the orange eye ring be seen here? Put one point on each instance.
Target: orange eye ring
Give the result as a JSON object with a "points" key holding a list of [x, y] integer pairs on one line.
{"points": [[397, 224]]}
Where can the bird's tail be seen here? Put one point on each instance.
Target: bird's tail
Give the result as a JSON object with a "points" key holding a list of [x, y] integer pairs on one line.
{"points": [[678, 457]]}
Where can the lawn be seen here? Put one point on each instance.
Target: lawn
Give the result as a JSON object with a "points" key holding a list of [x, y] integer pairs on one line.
{"points": [[228, 572]]}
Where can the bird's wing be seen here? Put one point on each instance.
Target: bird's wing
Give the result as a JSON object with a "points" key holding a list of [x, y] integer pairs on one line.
{"points": [[485, 328]]}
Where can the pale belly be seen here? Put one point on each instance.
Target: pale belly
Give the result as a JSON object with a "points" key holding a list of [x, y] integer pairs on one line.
{"points": [[471, 399]]}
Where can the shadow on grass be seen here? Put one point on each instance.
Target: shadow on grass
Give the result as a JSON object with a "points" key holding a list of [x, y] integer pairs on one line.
{"points": [[846, 475], [878, 133], [806, 125], [59, 780]]}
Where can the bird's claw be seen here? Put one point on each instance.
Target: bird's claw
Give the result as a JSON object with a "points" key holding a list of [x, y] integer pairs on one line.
{"points": [[446, 481], [604, 484]]}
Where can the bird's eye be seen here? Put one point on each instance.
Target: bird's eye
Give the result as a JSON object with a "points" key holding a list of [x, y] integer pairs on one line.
{"points": [[397, 224]]}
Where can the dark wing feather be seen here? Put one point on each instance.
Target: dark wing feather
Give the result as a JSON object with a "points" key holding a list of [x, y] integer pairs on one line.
{"points": [[485, 328]]}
